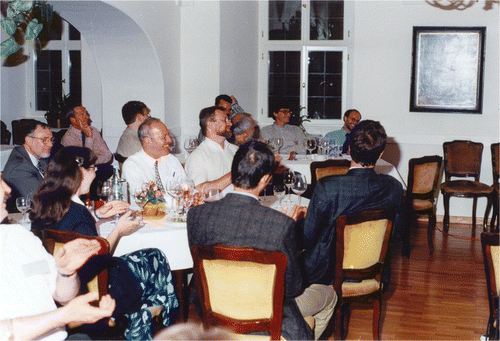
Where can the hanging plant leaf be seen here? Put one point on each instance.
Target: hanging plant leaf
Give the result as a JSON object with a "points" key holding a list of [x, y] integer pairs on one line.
{"points": [[22, 6], [33, 30], [16, 16], [9, 26], [9, 47]]}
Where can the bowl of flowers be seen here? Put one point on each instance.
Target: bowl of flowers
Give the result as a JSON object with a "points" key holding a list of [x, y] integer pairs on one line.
{"points": [[150, 198]]}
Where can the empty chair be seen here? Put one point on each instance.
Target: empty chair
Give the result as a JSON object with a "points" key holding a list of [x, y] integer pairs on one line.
{"points": [[240, 288], [320, 169], [495, 159], [463, 159], [362, 243], [424, 176], [491, 254]]}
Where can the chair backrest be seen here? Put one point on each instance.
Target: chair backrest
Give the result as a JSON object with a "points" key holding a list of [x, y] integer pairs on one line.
{"points": [[240, 288], [320, 169], [490, 243], [4, 133], [53, 240], [462, 159], [361, 245], [424, 176], [495, 159]]}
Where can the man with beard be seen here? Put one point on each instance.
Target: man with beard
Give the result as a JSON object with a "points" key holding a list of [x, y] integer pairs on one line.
{"points": [[26, 166], [209, 165]]}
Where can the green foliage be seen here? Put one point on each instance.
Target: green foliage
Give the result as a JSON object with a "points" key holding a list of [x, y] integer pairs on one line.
{"points": [[20, 23], [297, 119]]}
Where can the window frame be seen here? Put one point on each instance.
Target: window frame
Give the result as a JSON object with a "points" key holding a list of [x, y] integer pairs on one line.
{"points": [[65, 45], [304, 45]]}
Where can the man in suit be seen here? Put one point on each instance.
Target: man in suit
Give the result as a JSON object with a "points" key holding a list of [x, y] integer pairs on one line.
{"points": [[358, 190], [27, 164], [239, 220]]}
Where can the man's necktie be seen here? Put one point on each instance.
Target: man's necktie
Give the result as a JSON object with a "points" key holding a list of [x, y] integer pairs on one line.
{"points": [[40, 169], [345, 146], [158, 179], [83, 139]]}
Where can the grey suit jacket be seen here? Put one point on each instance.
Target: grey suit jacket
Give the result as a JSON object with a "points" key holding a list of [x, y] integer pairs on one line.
{"points": [[239, 220], [21, 175]]}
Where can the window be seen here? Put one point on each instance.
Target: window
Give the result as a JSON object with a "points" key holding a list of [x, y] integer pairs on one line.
{"points": [[57, 66], [304, 54]]}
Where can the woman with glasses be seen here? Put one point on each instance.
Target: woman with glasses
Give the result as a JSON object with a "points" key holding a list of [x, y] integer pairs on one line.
{"points": [[57, 206]]}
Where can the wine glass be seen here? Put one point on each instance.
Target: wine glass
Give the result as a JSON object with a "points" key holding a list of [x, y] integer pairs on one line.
{"points": [[141, 196], [288, 179], [310, 144], [279, 143], [23, 204], [190, 144], [279, 191], [104, 190], [299, 185], [187, 186], [173, 144], [174, 189]]}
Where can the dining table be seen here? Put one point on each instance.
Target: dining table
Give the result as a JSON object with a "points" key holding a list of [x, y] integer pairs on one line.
{"points": [[302, 164], [170, 236]]}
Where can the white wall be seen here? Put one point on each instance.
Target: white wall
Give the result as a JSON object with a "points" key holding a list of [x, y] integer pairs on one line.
{"points": [[382, 75]]}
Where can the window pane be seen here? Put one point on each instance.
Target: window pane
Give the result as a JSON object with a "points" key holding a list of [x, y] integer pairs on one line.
{"points": [[74, 34], [48, 78], [75, 76], [285, 20], [327, 20], [324, 85], [284, 78]]}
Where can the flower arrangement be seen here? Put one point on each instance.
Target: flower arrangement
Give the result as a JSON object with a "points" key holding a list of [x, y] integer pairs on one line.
{"points": [[149, 193]]}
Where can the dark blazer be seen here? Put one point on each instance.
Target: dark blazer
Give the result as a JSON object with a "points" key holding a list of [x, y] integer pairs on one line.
{"points": [[358, 190], [240, 220], [21, 175], [77, 219]]}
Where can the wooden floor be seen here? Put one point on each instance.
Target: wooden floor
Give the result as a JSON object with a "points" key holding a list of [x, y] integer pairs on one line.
{"points": [[439, 297]]}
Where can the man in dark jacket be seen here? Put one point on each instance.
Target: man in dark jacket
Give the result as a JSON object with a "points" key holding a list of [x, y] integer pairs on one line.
{"points": [[239, 220], [26, 166]]}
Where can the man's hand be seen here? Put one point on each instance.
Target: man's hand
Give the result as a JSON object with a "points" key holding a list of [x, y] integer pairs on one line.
{"points": [[296, 213], [80, 310], [111, 208], [74, 254]]}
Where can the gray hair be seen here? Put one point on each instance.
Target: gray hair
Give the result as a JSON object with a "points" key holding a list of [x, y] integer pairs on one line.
{"points": [[145, 128], [245, 123]]}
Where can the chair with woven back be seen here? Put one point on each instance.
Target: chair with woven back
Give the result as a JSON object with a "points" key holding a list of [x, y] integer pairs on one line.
{"points": [[240, 288], [462, 159], [362, 248], [424, 177], [495, 160], [321, 169], [491, 254]]}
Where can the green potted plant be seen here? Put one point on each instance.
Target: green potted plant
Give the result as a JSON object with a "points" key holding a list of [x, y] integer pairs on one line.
{"points": [[56, 115]]}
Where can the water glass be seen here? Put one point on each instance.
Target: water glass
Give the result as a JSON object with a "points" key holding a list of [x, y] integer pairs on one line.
{"points": [[23, 204]]}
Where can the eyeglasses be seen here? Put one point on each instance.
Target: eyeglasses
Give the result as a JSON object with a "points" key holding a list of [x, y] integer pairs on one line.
{"points": [[285, 111], [44, 139]]}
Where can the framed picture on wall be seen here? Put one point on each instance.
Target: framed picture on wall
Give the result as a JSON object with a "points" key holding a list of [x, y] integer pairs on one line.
{"points": [[447, 71]]}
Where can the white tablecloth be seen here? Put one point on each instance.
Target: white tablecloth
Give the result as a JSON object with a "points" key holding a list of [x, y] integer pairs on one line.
{"points": [[4, 154], [302, 165], [170, 237]]}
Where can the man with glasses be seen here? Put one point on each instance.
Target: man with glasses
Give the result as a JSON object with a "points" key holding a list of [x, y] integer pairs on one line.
{"points": [[27, 164], [293, 136], [133, 113], [209, 165]]}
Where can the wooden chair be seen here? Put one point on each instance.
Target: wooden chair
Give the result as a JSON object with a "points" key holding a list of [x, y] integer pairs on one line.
{"points": [[53, 240], [463, 159], [495, 160], [320, 169], [240, 288], [491, 254], [424, 177], [362, 246]]}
